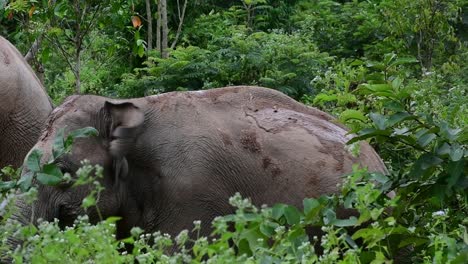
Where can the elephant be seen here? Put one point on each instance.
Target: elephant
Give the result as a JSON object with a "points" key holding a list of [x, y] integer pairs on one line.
{"points": [[177, 157], [24, 106]]}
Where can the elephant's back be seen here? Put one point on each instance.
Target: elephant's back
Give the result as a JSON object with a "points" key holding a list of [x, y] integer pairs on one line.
{"points": [[286, 151]]}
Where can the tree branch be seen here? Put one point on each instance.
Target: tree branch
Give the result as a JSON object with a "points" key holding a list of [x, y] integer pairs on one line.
{"points": [[33, 50], [179, 28], [65, 54]]}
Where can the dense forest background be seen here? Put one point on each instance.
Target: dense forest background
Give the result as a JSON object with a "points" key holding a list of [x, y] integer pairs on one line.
{"points": [[394, 71]]}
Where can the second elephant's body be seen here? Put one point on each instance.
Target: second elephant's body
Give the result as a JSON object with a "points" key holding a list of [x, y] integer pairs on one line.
{"points": [[174, 158], [24, 106]]}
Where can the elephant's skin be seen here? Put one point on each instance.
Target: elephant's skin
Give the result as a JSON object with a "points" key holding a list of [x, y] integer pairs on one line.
{"points": [[24, 106], [177, 157]]}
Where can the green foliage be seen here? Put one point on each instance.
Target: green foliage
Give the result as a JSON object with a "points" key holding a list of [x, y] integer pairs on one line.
{"points": [[275, 234], [392, 71], [425, 28], [276, 60], [343, 29]]}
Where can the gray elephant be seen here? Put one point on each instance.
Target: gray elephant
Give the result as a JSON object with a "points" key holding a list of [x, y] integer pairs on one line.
{"points": [[24, 106], [177, 157]]}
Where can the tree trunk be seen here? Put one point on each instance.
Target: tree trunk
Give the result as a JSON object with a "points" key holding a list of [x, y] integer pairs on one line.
{"points": [[79, 12], [164, 29], [150, 25], [158, 28], [29, 57], [77, 71]]}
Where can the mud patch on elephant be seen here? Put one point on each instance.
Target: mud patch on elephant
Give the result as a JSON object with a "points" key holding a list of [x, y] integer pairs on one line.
{"points": [[6, 59], [266, 162], [249, 141], [225, 138], [275, 172], [336, 151]]}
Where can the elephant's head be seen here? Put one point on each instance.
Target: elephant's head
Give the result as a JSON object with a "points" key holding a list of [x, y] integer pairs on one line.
{"points": [[117, 124]]}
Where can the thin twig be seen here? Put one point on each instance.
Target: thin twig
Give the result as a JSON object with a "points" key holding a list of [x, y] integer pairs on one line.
{"points": [[179, 28]]}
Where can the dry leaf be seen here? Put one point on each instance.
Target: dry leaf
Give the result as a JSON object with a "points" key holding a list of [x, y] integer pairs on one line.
{"points": [[31, 10], [136, 21]]}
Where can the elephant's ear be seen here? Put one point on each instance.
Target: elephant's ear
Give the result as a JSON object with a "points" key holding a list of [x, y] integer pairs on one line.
{"points": [[126, 120]]}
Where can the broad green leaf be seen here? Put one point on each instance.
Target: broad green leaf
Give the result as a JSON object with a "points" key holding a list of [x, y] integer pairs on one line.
{"points": [[377, 89], [244, 247], [400, 131], [426, 139], [449, 133], [310, 204], [421, 132], [415, 241], [84, 132], [352, 221], [444, 149], [375, 64], [352, 114], [58, 148], [48, 179], [292, 214], [379, 177], [379, 120], [5, 186], [388, 58], [329, 216], [25, 182], [397, 118], [456, 152], [268, 228], [33, 160], [113, 219], [401, 61], [278, 211], [396, 83], [253, 236], [325, 98], [356, 62], [52, 169], [141, 51], [89, 201], [350, 241]]}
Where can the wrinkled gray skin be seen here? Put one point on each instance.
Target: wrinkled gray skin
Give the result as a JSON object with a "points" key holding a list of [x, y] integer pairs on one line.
{"points": [[177, 157], [24, 106]]}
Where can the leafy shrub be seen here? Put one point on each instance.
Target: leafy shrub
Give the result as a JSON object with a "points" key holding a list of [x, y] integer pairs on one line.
{"points": [[286, 62]]}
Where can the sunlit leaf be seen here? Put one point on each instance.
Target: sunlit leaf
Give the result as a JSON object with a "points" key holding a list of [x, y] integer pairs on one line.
{"points": [[33, 160], [292, 215], [25, 182], [425, 139]]}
